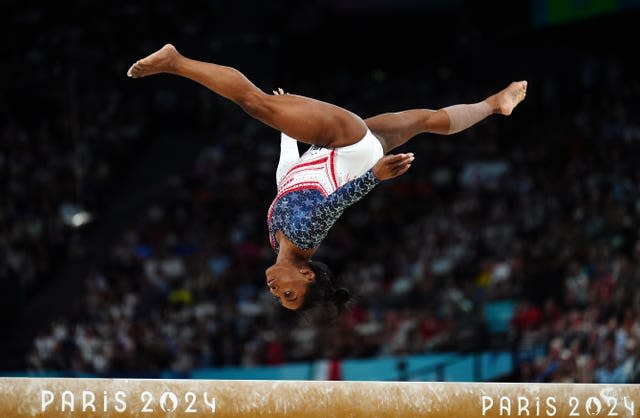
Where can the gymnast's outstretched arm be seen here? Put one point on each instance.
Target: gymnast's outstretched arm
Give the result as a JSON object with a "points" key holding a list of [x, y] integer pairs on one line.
{"points": [[325, 214]]}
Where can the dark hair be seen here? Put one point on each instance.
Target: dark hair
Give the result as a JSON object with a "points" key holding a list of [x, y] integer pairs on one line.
{"points": [[324, 299]]}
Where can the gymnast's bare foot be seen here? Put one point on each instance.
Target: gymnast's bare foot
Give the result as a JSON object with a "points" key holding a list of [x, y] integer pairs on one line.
{"points": [[506, 100], [160, 61]]}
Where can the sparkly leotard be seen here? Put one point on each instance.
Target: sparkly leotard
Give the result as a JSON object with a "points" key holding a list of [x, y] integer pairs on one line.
{"points": [[315, 189]]}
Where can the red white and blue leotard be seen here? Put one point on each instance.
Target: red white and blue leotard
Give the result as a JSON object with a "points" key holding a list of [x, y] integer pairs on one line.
{"points": [[315, 189]]}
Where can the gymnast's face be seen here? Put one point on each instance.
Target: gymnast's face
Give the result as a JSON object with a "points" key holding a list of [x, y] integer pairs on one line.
{"points": [[288, 283]]}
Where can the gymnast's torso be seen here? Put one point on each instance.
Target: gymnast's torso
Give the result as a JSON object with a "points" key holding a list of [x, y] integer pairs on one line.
{"points": [[316, 188]]}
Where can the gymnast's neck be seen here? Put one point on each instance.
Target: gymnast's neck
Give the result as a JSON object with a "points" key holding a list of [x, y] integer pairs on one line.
{"points": [[289, 253]]}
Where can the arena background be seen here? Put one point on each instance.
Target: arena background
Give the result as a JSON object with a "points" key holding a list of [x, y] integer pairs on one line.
{"points": [[133, 212]]}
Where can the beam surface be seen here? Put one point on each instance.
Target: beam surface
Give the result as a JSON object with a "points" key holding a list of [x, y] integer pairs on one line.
{"points": [[76, 397]]}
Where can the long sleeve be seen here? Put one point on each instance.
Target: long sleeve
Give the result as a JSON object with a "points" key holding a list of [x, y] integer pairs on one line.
{"points": [[289, 154], [326, 213]]}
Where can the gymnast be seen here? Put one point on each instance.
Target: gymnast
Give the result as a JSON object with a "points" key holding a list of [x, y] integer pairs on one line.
{"points": [[347, 157]]}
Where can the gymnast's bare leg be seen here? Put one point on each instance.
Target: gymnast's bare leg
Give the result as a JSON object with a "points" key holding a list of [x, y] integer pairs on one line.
{"points": [[306, 119], [395, 129]]}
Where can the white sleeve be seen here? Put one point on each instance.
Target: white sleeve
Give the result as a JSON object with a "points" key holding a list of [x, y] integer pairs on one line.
{"points": [[289, 154]]}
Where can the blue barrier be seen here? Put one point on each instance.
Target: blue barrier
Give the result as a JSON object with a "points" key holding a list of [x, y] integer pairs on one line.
{"points": [[451, 367]]}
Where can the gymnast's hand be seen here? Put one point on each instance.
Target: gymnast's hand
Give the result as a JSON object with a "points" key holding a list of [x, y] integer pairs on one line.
{"points": [[391, 166]]}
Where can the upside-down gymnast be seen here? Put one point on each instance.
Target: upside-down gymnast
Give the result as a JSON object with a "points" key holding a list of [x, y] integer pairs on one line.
{"points": [[347, 158]]}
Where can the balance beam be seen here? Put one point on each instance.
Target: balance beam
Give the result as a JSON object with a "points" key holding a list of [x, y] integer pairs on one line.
{"points": [[75, 397]]}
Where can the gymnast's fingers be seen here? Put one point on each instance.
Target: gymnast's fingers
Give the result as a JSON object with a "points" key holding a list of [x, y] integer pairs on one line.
{"points": [[403, 170], [391, 166], [398, 169], [395, 159], [404, 159]]}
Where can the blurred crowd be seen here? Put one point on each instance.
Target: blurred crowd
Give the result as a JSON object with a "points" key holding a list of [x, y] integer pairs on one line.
{"points": [[540, 209], [62, 139]]}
